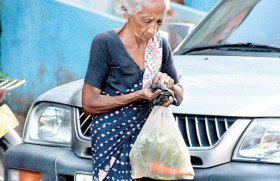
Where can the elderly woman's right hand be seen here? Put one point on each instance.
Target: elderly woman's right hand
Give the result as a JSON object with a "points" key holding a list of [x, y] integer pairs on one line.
{"points": [[147, 94]]}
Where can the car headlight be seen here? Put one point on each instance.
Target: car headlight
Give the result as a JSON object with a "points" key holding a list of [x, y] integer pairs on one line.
{"points": [[48, 123], [261, 142]]}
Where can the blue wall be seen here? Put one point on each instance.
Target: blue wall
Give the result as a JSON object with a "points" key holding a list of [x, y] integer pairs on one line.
{"points": [[47, 43], [203, 5]]}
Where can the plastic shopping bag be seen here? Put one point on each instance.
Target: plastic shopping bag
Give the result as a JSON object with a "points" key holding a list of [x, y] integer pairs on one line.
{"points": [[159, 151]]}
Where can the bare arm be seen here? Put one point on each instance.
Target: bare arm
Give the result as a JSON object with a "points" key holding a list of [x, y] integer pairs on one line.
{"points": [[94, 103]]}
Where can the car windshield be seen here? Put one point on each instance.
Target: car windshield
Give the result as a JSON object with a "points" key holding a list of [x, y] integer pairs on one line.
{"points": [[238, 22]]}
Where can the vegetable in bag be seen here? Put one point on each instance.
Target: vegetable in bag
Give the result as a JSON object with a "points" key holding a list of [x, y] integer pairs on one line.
{"points": [[159, 151]]}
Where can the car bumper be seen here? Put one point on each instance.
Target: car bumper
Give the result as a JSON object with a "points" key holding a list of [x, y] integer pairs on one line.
{"points": [[57, 163], [239, 171], [54, 163]]}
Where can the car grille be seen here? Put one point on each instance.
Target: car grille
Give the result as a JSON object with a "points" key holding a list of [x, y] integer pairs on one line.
{"points": [[203, 131], [84, 124], [197, 131]]}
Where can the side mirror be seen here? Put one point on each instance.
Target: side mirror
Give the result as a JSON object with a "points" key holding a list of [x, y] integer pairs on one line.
{"points": [[177, 32]]}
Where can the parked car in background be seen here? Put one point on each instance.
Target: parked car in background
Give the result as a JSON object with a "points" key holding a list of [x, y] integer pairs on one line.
{"points": [[230, 116]]}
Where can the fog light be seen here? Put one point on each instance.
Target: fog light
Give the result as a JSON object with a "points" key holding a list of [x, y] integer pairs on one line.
{"points": [[24, 175]]}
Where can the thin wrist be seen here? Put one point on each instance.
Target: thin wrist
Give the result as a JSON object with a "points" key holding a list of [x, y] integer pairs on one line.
{"points": [[138, 94], [175, 86]]}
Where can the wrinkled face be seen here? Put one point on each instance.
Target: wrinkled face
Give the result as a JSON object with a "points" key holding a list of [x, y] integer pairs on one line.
{"points": [[147, 22]]}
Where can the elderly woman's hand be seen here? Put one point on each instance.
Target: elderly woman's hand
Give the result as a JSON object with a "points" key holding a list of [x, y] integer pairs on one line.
{"points": [[169, 102], [177, 89], [163, 78], [148, 95]]}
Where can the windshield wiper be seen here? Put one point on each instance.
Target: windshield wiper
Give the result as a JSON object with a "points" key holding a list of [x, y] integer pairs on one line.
{"points": [[232, 46]]}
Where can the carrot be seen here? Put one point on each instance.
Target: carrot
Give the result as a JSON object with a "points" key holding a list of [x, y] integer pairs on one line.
{"points": [[161, 169]]}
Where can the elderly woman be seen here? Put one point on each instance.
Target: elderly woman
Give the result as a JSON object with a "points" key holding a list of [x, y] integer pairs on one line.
{"points": [[123, 65]]}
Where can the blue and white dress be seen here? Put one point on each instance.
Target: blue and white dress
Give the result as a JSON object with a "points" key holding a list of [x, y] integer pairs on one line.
{"points": [[112, 70]]}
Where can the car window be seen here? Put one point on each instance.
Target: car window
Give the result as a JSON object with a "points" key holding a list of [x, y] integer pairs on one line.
{"points": [[239, 21]]}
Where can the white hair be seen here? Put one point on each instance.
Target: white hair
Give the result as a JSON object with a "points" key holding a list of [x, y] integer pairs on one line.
{"points": [[130, 7]]}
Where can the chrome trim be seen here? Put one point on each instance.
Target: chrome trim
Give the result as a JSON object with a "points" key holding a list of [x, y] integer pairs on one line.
{"points": [[226, 123], [207, 132], [82, 119], [85, 120], [217, 129], [197, 131], [188, 131]]}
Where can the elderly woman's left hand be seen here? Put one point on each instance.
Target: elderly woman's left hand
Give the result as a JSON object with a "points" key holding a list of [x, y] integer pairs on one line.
{"points": [[163, 78], [169, 102]]}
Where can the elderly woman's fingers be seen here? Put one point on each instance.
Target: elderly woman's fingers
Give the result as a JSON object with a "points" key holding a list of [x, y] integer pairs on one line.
{"points": [[170, 83], [157, 78], [170, 101], [160, 78], [163, 78], [149, 95], [156, 94]]}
